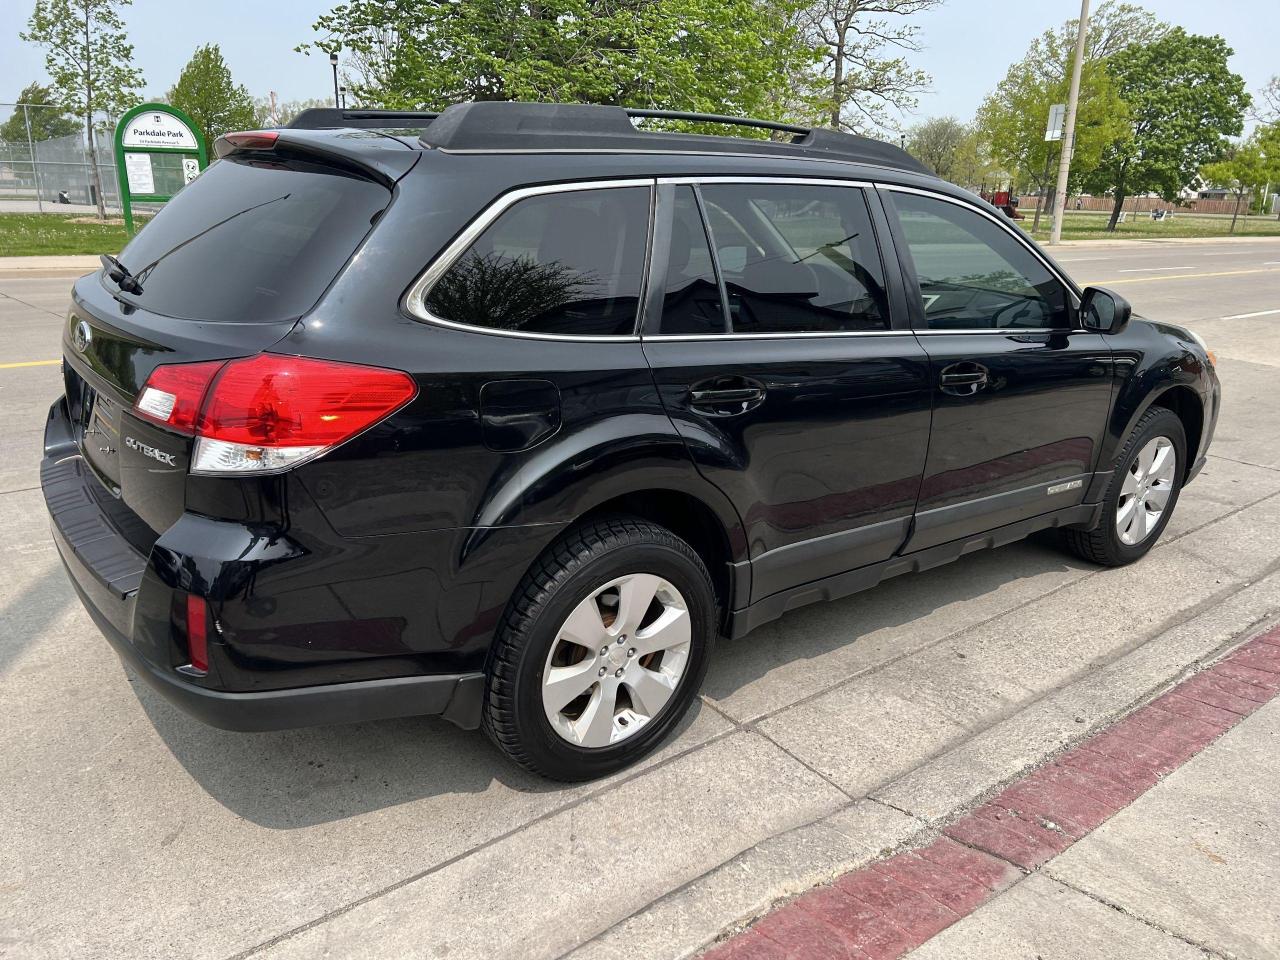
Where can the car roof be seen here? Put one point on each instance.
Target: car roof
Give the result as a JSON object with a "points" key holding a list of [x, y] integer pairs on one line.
{"points": [[512, 127]]}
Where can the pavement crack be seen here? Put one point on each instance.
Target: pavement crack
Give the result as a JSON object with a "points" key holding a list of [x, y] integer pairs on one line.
{"points": [[10, 296], [1047, 870], [1244, 463]]}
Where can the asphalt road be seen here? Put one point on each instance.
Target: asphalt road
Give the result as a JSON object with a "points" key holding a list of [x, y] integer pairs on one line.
{"points": [[821, 740]]}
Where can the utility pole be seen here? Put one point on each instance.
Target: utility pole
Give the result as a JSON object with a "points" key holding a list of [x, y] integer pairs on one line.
{"points": [[1069, 130]]}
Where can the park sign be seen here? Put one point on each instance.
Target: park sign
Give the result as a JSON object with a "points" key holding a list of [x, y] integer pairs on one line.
{"points": [[158, 152]]}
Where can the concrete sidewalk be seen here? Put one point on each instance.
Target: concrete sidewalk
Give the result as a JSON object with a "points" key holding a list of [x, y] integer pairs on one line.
{"points": [[1133, 843], [1193, 866]]}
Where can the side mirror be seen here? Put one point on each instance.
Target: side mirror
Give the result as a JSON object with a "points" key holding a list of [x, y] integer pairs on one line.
{"points": [[1104, 311]]}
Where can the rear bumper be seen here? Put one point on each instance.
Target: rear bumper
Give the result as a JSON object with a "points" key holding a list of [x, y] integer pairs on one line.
{"points": [[456, 696], [131, 597]]}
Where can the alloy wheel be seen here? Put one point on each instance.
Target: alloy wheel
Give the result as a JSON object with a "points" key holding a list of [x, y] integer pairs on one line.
{"points": [[1144, 495], [616, 660]]}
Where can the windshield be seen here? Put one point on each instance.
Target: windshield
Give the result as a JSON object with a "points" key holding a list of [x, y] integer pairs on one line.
{"points": [[253, 239]]}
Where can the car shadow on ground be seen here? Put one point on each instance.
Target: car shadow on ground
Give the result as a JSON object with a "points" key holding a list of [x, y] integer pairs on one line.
{"points": [[822, 628], [299, 778]]}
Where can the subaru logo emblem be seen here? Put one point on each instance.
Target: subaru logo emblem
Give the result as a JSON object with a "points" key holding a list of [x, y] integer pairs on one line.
{"points": [[81, 336]]}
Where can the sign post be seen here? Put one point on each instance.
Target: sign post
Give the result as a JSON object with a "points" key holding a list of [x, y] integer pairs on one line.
{"points": [[158, 152], [1057, 116]]}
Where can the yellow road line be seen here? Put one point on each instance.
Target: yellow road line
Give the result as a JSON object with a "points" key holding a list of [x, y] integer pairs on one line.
{"points": [[29, 363], [1174, 276]]}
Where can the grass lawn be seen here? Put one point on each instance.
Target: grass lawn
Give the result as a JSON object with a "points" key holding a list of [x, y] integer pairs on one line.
{"points": [[31, 234], [1084, 225]]}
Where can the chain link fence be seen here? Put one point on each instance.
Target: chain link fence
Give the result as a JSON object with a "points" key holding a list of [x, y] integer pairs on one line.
{"points": [[46, 165]]}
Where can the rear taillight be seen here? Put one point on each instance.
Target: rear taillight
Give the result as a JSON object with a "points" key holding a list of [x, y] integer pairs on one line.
{"points": [[197, 632], [268, 413], [173, 394]]}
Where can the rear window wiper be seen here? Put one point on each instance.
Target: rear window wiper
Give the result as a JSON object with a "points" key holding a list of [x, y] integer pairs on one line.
{"points": [[120, 274]]}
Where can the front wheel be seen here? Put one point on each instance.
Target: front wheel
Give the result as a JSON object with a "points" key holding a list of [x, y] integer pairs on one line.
{"points": [[602, 650], [1142, 493]]}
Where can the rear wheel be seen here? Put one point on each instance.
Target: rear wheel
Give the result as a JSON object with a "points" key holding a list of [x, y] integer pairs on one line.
{"points": [[1142, 493], [601, 651]]}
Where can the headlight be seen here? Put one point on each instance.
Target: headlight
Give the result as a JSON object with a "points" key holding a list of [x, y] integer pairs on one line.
{"points": [[1213, 361]]}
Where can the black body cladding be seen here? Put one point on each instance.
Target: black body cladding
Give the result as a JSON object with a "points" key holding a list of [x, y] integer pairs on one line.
{"points": [[800, 463]]}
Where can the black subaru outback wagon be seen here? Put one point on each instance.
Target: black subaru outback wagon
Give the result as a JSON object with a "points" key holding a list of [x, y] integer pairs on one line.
{"points": [[509, 421]]}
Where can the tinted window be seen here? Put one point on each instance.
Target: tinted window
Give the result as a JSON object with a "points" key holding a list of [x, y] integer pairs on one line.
{"points": [[973, 274], [796, 258], [692, 303], [252, 240], [566, 263]]}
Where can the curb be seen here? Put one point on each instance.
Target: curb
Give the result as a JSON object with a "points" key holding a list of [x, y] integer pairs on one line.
{"points": [[890, 907]]}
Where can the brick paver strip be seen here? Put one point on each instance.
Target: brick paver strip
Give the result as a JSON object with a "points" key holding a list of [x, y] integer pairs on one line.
{"points": [[884, 910]]}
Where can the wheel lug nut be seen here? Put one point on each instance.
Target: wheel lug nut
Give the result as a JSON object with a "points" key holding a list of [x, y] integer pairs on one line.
{"points": [[622, 639], [603, 671], [631, 652], [604, 651], [618, 672]]}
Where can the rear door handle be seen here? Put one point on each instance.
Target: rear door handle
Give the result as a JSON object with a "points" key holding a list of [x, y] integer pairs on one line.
{"points": [[726, 396], [963, 379], [735, 395]]}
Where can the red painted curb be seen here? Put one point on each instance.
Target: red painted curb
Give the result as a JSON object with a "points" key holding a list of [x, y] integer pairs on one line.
{"points": [[886, 909]]}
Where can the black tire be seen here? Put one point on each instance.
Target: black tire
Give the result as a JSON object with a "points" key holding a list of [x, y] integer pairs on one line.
{"points": [[578, 563], [1102, 544]]}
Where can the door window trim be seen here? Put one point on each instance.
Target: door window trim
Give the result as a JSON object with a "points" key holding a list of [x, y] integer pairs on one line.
{"points": [[866, 186], [1073, 292], [414, 300]]}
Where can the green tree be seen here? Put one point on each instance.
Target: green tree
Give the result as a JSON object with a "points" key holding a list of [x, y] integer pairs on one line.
{"points": [[1269, 144], [206, 93], [1268, 102], [1184, 102], [269, 113], [862, 74], [89, 61], [973, 165], [936, 143], [709, 55], [43, 119], [1240, 171], [1012, 121]]}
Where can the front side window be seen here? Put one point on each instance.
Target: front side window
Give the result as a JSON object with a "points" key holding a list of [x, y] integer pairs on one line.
{"points": [[796, 258], [974, 275], [567, 263]]}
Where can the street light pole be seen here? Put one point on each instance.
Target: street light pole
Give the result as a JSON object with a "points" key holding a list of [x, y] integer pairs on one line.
{"points": [[1069, 128], [333, 62]]}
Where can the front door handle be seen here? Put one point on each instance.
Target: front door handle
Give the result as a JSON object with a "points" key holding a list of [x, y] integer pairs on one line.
{"points": [[963, 379], [726, 396]]}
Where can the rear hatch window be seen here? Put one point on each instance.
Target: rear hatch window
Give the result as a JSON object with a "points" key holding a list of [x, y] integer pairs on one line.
{"points": [[257, 238]]}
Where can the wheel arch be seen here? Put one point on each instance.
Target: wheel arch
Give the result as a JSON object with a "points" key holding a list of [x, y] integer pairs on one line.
{"points": [[1182, 400], [695, 522]]}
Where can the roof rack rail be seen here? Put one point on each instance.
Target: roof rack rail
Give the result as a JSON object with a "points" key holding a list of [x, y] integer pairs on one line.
{"points": [[499, 126], [330, 118], [502, 126], [716, 118]]}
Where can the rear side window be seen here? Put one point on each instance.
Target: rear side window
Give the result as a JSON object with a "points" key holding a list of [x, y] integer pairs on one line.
{"points": [[797, 258], [252, 240], [692, 302], [973, 274], [566, 263]]}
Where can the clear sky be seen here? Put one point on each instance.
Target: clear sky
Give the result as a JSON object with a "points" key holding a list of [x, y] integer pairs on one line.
{"points": [[968, 43]]}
